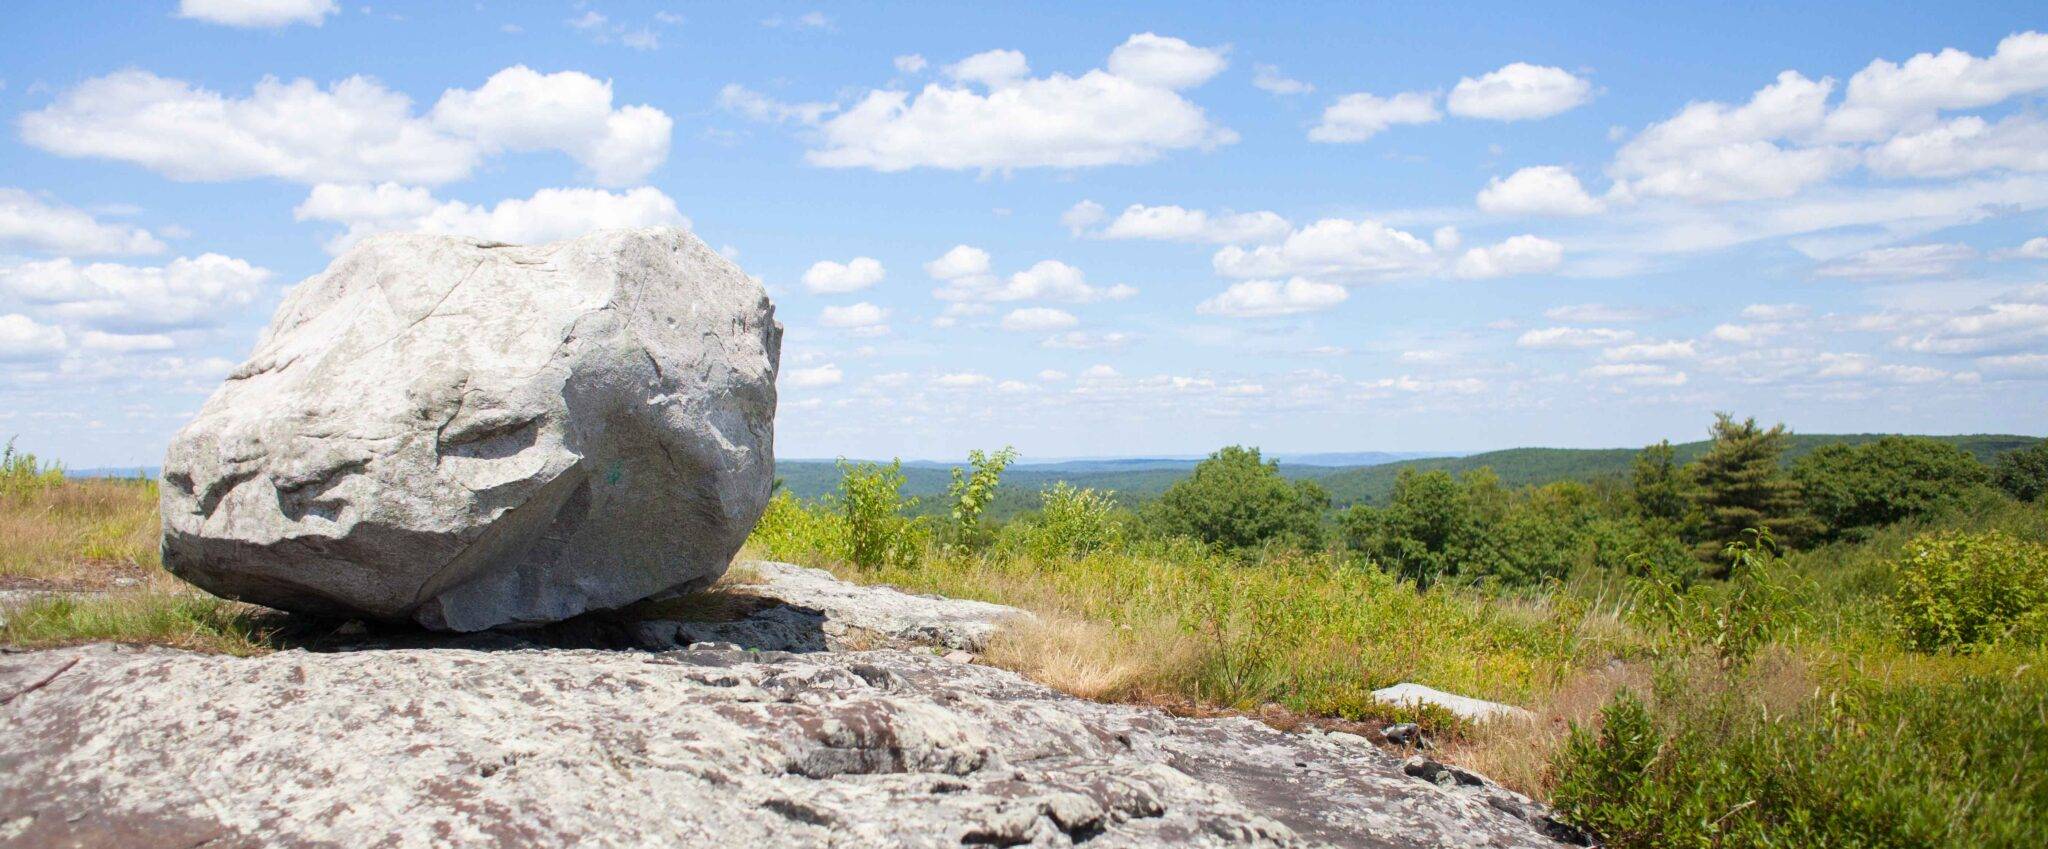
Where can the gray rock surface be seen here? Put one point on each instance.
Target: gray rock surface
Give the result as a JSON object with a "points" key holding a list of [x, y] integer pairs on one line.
{"points": [[133, 747], [470, 434], [817, 612]]}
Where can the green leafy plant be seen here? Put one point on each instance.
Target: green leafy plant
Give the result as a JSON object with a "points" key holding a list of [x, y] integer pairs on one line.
{"points": [[2023, 473], [1237, 501], [971, 492], [1073, 521], [1730, 621], [1963, 592], [1851, 489], [22, 475], [879, 532]]}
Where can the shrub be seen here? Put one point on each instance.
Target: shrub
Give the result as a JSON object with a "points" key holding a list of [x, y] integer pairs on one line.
{"points": [[1603, 774], [1657, 487], [791, 530], [2023, 474], [1072, 521], [1235, 500], [1854, 488], [22, 475], [878, 531], [1962, 591], [1730, 621], [971, 493]]}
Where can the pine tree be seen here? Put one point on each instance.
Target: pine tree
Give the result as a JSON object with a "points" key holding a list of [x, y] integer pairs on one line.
{"points": [[1740, 484]]}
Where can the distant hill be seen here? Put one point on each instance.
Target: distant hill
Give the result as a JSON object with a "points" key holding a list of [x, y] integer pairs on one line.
{"points": [[1536, 466], [151, 472]]}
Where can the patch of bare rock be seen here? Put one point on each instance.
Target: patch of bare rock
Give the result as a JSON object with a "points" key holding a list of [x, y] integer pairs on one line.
{"points": [[502, 739]]}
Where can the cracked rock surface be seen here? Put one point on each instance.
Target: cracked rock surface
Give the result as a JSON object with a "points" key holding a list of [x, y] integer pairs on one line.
{"points": [[146, 747], [468, 434]]}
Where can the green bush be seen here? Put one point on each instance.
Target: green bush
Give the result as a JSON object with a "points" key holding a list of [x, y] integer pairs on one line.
{"points": [[1963, 591], [1730, 621], [971, 492], [1854, 488], [789, 530], [1869, 764], [2023, 474], [878, 530], [1235, 500], [1072, 521]]}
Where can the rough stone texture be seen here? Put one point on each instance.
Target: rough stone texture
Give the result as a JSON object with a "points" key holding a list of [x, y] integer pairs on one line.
{"points": [[470, 434], [1476, 710], [817, 612], [130, 747]]}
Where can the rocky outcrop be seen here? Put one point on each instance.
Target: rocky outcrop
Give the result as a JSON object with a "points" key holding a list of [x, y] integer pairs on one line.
{"points": [[522, 746], [1463, 707], [812, 611], [470, 434]]}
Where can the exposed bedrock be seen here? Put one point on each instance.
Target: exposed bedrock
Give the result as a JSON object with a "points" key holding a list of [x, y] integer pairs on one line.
{"points": [[471, 434]]}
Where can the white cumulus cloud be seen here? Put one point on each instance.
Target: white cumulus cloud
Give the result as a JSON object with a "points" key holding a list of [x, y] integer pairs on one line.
{"points": [[1517, 92], [1539, 190], [1360, 116], [186, 292], [826, 277], [549, 215], [1515, 256], [22, 337], [1265, 298], [32, 223], [1177, 224], [259, 14], [1038, 320]]}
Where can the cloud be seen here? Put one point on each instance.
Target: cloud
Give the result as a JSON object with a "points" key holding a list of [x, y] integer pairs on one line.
{"points": [[2016, 365], [125, 343], [2034, 248], [2001, 326], [186, 292], [1573, 337], [1038, 320], [814, 377], [355, 130], [22, 338], [1081, 216], [826, 277], [961, 380], [1269, 79], [1266, 298], [1518, 255], [756, 106], [1333, 248], [864, 319], [550, 215], [31, 223], [259, 14], [910, 63], [1667, 350], [1173, 223], [1357, 117], [965, 272], [1965, 145], [1165, 62], [1130, 114], [1540, 190], [1745, 334], [1711, 151], [1518, 92], [1596, 314], [1082, 340], [1774, 312], [1900, 262], [1886, 97]]}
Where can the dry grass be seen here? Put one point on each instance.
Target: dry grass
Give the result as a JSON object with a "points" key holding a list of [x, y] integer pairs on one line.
{"points": [[80, 534], [1094, 660]]}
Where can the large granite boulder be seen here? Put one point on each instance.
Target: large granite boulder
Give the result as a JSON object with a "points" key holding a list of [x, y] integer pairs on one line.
{"points": [[471, 434]]}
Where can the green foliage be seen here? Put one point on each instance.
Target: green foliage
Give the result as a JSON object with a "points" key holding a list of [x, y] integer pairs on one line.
{"points": [[1656, 485], [1739, 485], [1237, 501], [790, 531], [22, 475], [878, 530], [181, 619], [1867, 764], [1965, 592], [1852, 489], [971, 492], [1071, 522], [1730, 621], [2023, 473], [1421, 533]]}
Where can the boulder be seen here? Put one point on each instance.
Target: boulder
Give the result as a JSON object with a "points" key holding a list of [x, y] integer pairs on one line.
{"points": [[470, 434]]}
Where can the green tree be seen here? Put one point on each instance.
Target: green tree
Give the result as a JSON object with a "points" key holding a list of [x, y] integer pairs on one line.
{"points": [[1657, 486], [971, 493], [1851, 489], [2023, 474], [1235, 500], [1740, 485], [1427, 521]]}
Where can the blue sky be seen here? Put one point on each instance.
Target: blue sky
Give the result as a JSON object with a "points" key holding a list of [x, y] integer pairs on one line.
{"points": [[1153, 229]]}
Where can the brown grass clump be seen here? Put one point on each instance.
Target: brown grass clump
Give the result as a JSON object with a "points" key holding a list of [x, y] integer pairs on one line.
{"points": [[79, 534], [1094, 660]]}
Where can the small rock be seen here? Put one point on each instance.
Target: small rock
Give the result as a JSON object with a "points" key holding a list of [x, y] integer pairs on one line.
{"points": [[959, 656], [1349, 738], [1441, 775], [352, 628], [1406, 734], [1476, 710]]}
